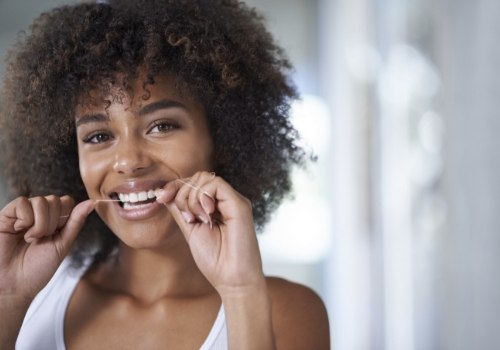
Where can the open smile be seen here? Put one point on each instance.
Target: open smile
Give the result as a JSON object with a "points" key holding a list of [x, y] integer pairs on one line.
{"points": [[134, 199]]}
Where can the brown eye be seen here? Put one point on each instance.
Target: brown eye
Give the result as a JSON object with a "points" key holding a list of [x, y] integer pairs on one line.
{"points": [[162, 126], [96, 138]]}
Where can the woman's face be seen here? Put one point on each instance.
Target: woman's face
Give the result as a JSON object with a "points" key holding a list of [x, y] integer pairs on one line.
{"points": [[134, 146]]}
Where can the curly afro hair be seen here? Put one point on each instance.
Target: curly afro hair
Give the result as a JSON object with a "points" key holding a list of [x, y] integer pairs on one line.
{"points": [[219, 50]]}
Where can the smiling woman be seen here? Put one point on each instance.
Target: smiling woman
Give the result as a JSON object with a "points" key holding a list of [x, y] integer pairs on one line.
{"points": [[132, 146], [129, 109]]}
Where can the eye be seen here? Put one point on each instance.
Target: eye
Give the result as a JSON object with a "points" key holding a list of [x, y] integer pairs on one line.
{"points": [[97, 137], [163, 126]]}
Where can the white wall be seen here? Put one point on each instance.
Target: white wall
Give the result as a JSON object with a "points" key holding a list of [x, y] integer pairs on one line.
{"points": [[469, 287]]}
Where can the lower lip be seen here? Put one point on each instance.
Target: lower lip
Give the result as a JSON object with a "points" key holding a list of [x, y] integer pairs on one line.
{"points": [[139, 212]]}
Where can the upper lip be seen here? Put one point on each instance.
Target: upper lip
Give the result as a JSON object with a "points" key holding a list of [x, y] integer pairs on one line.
{"points": [[137, 186]]}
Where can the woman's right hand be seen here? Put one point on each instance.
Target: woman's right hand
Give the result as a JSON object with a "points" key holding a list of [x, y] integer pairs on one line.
{"points": [[35, 236]]}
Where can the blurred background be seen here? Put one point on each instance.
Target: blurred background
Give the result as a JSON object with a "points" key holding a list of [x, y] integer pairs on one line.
{"points": [[395, 225]]}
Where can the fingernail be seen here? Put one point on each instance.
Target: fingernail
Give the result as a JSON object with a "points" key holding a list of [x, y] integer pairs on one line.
{"points": [[204, 205], [209, 196], [29, 239], [207, 208], [203, 219], [188, 217]]}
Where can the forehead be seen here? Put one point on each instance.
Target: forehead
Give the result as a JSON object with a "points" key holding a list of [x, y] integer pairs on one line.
{"points": [[134, 94]]}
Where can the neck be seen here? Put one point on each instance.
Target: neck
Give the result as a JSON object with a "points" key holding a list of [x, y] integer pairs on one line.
{"points": [[149, 275]]}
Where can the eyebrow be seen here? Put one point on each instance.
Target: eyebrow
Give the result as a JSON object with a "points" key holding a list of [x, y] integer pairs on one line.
{"points": [[162, 104], [148, 109], [91, 118]]}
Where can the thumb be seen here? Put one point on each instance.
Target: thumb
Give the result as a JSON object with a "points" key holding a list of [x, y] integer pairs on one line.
{"points": [[180, 219], [73, 226], [166, 197]]}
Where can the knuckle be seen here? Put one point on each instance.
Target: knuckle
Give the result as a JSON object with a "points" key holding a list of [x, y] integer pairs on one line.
{"points": [[38, 200], [193, 200], [40, 204], [180, 202], [21, 202], [196, 176], [67, 200], [22, 199]]}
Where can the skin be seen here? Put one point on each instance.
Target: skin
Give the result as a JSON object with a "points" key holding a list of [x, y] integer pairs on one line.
{"points": [[189, 251]]}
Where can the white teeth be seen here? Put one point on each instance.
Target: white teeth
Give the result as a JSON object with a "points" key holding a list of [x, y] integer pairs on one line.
{"points": [[127, 198], [133, 197]]}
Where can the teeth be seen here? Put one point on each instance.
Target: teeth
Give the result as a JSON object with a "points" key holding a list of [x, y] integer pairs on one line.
{"points": [[128, 198], [133, 197]]}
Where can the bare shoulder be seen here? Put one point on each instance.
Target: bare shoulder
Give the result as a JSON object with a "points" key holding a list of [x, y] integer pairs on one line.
{"points": [[300, 319]]}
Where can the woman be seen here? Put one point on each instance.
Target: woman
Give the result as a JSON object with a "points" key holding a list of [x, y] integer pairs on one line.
{"points": [[166, 121]]}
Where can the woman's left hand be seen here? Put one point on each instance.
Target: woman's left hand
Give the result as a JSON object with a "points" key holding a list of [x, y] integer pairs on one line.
{"points": [[218, 225]]}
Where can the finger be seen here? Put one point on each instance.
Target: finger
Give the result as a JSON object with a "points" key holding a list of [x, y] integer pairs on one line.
{"points": [[200, 202], [193, 200], [206, 200], [67, 204], [184, 222], [167, 193], [75, 223], [182, 196], [16, 216], [54, 212], [191, 207], [41, 219], [220, 197]]}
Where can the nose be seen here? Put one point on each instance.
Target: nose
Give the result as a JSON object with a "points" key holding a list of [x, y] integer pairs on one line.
{"points": [[130, 157]]}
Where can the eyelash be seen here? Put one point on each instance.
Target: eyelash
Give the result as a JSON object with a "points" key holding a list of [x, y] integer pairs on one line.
{"points": [[92, 138], [101, 136], [169, 125]]}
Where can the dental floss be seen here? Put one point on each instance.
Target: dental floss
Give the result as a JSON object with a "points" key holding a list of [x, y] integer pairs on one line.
{"points": [[203, 192], [182, 181], [95, 200], [197, 188]]}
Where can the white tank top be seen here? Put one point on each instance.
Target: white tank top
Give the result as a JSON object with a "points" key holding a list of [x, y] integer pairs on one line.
{"points": [[43, 325]]}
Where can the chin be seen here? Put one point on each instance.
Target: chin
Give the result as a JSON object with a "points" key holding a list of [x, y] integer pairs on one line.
{"points": [[139, 236]]}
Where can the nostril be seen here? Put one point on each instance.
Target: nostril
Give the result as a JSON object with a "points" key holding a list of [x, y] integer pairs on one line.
{"points": [[130, 159]]}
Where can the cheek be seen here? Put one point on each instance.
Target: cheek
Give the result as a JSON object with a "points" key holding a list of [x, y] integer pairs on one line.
{"points": [[200, 154], [90, 170], [85, 171], [188, 154], [205, 148]]}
